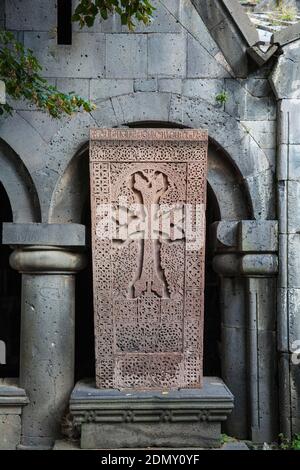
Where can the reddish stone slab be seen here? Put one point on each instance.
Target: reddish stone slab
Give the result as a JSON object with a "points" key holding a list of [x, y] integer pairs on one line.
{"points": [[148, 196]]}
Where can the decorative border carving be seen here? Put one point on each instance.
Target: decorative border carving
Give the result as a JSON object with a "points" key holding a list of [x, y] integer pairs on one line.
{"points": [[113, 154], [149, 134]]}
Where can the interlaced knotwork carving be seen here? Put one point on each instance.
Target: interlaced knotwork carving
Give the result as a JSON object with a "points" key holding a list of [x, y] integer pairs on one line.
{"points": [[148, 283]]}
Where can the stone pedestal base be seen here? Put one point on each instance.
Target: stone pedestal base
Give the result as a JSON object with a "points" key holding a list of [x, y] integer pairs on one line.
{"points": [[12, 400], [110, 419]]}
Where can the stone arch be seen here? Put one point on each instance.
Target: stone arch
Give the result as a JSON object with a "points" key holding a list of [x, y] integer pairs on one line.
{"points": [[229, 192], [18, 185], [10, 298], [224, 181], [248, 161]]}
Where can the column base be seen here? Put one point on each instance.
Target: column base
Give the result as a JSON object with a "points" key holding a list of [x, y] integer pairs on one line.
{"points": [[111, 419], [12, 400]]}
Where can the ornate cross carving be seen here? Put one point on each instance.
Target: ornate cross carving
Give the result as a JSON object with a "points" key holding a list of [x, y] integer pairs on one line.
{"points": [[148, 287]]}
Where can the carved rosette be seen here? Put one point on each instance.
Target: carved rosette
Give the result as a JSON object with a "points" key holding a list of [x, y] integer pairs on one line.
{"points": [[148, 281]]}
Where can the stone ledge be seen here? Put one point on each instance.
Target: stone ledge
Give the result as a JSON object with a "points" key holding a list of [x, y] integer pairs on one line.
{"points": [[12, 397], [72, 235], [116, 419], [75, 445]]}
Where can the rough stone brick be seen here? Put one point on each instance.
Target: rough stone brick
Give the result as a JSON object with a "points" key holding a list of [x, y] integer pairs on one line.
{"points": [[206, 89], [294, 162], [167, 55], [10, 431], [126, 56], [258, 235], [258, 87], [30, 15], [294, 318], [145, 85], [261, 187], [171, 85], [293, 260], [83, 59], [80, 86], [43, 124], [289, 121], [142, 107], [202, 64], [285, 77], [162, 20], [105, 88], [264, 132], [244, 105]]}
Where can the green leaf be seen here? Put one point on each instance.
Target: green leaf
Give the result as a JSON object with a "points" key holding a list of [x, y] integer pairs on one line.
{"points": [[104, 13], [89, 20]]}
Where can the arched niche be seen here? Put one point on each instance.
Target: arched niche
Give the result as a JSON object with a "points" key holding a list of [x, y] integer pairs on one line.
{"points": [[227, 199], [10, 299], [19, 186], [18, 203], [55, 157], [72, 190]]}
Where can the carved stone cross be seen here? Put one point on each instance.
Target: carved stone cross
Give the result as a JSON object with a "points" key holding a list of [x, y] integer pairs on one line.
{"points": [[148, 286]]}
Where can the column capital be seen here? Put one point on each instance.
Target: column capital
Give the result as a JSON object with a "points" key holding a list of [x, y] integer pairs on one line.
{"points": [[42, 234], [248, 265], [245, 236], [47, 260]]}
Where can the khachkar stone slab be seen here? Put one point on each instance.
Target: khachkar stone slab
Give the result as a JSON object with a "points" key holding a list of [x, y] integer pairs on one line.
{"points": [[109, 419], [148, 195]]}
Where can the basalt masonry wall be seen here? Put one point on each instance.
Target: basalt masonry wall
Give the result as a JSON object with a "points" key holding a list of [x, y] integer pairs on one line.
{"points": [[285, 81], [171, 73]]}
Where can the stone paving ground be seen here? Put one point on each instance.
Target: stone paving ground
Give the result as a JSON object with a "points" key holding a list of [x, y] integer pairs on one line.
{"points": [[74, 445]]}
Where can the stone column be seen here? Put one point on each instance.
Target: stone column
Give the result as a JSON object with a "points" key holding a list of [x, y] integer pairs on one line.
{"points": [[47, 322], [285, 83], [47, 338], [233, 340], [248, 266]]}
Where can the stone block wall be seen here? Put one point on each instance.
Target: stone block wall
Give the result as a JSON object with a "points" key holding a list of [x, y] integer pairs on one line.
{"points": [[131, 76], [168, 72]]}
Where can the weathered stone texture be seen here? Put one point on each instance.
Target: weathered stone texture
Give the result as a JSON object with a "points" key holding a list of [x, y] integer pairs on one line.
{"points": [[10, 431], [44, 234], [103, 89], [126, 56], [145, 85], [181, 418], [136, 338], [12, 400], [170, 72], [247, 106], [258, 236], [84, 59], [201, 64], [30, 15], [167, 55]]}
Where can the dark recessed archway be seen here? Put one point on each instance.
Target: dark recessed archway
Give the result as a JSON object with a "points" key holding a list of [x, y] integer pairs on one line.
{"points": [[10, 299]]}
